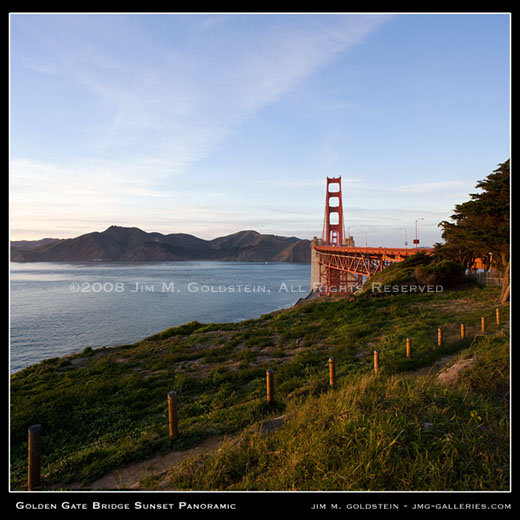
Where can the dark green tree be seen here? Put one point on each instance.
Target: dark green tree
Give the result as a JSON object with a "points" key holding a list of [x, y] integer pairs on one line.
{"points": [[481, 227]]}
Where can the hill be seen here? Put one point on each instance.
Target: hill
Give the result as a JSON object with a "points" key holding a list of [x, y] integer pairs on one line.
{"points": [[124, 244], [29, 244], [103, 409]]}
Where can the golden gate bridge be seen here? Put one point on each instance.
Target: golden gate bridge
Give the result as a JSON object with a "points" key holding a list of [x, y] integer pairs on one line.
{"points": [[337, 265]]}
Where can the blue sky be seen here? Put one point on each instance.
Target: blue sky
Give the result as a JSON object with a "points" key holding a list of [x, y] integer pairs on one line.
{"points": [[213, 123]]}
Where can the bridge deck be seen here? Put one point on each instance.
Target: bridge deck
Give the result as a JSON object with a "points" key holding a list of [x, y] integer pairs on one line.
{"points": [[373, 251], [404, 251], [345, 258], [357, 262]]}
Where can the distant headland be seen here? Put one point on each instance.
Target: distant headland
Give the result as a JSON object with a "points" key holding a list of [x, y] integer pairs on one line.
{"points": [[131, 244]]}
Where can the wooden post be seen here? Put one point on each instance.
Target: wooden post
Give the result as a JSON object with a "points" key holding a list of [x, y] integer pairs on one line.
{"points": [[270, 385], [498, 316], [34, 457], [408, 347], [376, 361], [332, 371], [462, 331], [439, 337], [173, 419], [483, 324]]}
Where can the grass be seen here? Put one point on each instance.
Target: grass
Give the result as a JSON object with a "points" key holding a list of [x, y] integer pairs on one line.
{"points": [[396, 432], [104, 408]]}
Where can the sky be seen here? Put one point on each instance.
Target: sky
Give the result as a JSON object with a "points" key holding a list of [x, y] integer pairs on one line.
{"points": [[209, 124]]}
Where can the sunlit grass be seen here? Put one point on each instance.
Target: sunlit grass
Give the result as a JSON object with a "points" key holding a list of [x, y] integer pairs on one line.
{"points": [[104, 408]]}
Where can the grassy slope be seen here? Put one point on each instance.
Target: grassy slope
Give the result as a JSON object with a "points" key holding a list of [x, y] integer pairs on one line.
{"points": [[394, 432], [104, 408]]}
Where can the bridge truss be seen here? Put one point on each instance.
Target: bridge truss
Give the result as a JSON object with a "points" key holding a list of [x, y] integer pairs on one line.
{"points": [[344, 269]]}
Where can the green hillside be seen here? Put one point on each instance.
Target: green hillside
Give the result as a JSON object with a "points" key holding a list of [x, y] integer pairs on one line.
{"points": [[104, 408], [387, 432]]}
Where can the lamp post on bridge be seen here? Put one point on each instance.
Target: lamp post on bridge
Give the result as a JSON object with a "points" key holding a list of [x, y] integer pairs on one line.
{"points": [[416, 241], [405, 237], [366, 239], [348, 234]]}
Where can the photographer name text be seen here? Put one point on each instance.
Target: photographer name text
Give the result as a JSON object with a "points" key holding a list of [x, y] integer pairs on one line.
{"points": [[192, 287]]}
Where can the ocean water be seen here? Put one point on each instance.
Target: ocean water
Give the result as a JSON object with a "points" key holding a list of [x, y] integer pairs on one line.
{"points": [[60, 308]]}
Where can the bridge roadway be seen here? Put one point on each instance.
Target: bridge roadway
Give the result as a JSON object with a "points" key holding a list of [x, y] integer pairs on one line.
{"points": [[343, 268], [364, 261]]}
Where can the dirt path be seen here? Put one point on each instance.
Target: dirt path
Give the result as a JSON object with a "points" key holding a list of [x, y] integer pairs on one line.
{"points": [[129, 476], [451, 374], [436, 367]]}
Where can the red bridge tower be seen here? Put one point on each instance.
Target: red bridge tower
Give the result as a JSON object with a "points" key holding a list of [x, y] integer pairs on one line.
{"points": [[333, 224], [334, 235]]}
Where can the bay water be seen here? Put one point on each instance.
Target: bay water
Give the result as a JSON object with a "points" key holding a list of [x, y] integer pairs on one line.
{"points": [[61, 308]]}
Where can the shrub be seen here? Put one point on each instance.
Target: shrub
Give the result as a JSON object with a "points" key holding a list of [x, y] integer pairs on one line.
{"points": [[447, 273], [421, 269]]}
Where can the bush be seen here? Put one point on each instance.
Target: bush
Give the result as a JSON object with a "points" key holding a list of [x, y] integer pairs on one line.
{"points": [[447, 273], [421, 269]]}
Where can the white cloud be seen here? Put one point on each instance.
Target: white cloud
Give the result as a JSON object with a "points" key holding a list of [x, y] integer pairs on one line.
{"points": [[431, 187], [171, 107], [180, 104]]}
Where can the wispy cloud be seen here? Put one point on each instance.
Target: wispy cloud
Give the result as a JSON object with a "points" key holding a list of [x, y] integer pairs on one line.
{"points": [[180, 106], [166, 105], [312, 183], [430, 187]]}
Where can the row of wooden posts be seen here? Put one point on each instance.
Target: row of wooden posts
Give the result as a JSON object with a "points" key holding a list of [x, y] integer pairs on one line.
{"points": [[34, 444], [439, 339]]}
